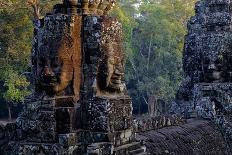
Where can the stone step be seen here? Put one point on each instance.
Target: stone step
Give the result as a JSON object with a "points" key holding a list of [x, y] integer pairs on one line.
{"points": [[193, 114], [130, 147], [136, 152], [135, 148], [144, 153]]}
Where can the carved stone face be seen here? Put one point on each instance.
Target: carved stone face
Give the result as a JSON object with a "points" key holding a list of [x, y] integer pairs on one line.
{"points": [[227, 63], [111, 69], [213, 69], [57, 57], [55, 68]]}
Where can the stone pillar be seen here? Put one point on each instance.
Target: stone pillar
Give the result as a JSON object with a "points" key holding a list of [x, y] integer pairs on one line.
{"points": [[106, 107], [80, 103]]}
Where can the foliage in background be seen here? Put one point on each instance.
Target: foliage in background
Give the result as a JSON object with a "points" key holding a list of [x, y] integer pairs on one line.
{"points": [[15, 47], [154, 41]]}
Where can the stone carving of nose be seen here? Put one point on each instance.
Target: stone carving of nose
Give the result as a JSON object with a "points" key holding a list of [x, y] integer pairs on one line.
{"points": [[212, 66], [47, 71]]}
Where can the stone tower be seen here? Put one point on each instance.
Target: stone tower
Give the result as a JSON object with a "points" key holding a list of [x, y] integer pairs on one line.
{"points": [[80, 103], [207, 60]]}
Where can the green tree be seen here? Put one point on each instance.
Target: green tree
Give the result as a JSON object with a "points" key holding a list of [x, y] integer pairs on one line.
{"points": [[155, 41], [16, 31], [16, 88]]}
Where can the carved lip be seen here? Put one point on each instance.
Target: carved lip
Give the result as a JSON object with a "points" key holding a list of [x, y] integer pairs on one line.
{"points": [[48, 80], [214, 75], [71, 2]]}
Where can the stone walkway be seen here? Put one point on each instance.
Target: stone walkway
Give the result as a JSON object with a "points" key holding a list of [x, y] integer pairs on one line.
{"points": [[194, 137]]}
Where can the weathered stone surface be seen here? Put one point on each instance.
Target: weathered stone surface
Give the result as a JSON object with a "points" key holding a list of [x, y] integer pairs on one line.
{"points": [[56, 56], [100, 148], [80, 104], [207, 52], [69, 139], [206, 90], [37, 122], [194, 137], [212, 99], [144, 124], [109, 115]]}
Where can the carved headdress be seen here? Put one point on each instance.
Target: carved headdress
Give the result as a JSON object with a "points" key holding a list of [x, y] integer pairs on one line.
{"points": [[98, 7]]}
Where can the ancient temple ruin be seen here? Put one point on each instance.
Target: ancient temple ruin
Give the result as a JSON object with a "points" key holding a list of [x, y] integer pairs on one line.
{"points": [[80, 103]]}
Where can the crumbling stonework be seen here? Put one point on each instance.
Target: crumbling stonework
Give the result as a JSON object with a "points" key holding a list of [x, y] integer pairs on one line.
{"points": [[216, 97], [207, 52], [206, 90], [193, 137], [80, 103], [145, 124]]}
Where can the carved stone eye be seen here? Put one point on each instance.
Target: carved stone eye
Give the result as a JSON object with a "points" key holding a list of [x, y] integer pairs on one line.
{"points": [[71, 3], [42, 62], [55, 62], [218, 60]]}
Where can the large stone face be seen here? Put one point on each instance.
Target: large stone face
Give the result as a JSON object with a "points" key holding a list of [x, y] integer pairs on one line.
{"points": [[103, 57], [57, 57], [206, 90], [207, 51]]}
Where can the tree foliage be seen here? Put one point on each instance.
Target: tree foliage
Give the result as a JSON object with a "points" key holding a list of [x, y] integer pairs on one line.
{"points": [[15, 85], [155, 41], [16, 32]]}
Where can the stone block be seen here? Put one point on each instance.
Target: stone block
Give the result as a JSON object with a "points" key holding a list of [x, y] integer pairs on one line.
{"points": [[67, 140], [212, 99], [108, 115], [40, 148], [65, 119], [100, 149], [91, 137]]}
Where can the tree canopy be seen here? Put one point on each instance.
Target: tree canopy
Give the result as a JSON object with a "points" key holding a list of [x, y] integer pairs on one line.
{"points": [[15, 47], [154, 38]]}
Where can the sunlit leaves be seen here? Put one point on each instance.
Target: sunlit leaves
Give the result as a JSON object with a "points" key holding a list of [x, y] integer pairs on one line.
{"points": [[15, 46], [16, 86]]}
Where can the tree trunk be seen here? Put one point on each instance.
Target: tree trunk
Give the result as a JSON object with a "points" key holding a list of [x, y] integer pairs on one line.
{"points": [[152, 106], [9, 113], [149, 53]]}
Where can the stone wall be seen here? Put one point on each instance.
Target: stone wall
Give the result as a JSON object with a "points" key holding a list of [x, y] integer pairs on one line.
{"points": [[147, 123]]}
